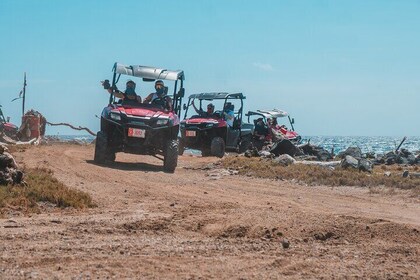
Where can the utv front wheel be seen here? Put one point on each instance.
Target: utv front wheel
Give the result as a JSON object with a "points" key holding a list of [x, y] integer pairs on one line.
{"points": [[171, 156], [217, 147], [181, 147], [101, 147]]}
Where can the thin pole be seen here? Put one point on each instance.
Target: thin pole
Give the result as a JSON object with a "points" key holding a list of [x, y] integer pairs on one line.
{"points": [[24, 92]]}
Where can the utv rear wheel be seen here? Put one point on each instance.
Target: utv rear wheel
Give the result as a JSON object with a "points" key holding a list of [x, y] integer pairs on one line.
{"points": [[101, 147], [171, 156], [246, 144], [217, 147]]}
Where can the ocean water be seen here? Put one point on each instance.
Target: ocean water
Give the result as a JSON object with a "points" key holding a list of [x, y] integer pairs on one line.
{"points": [[376, 144]]}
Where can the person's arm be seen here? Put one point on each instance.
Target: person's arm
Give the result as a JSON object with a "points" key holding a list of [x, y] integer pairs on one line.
{"points": [[198, 111], [229, 115], [118, 94], [169, 103], [112, 90], [148, 98]]}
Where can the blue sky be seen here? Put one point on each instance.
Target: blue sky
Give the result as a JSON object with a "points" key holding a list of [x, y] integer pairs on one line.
{"points": [[338, 67]]}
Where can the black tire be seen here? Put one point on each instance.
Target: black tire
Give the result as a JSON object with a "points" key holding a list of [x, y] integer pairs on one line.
{"points": [[101, 147], [110, 156], [217, 147], [170, 160], [246, 143], [181, 147]]}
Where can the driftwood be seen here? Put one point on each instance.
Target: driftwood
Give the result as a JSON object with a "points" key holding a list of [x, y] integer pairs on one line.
{"points": [[5, 140], [73, 127], [320, 163]]}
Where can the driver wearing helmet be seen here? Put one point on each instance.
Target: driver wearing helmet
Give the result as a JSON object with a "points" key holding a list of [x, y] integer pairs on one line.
{"points": [[208, 113], [159, 97], [129, 95]]}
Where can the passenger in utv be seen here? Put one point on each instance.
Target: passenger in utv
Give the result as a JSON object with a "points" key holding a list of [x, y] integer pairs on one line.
{"points": [[159, 97], [261, 130], [128, 96], [228, 113], [276, 134], [208, 113]]}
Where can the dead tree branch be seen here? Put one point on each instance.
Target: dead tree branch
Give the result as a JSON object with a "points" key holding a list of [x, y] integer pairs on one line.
{"points": [[73, 127]]}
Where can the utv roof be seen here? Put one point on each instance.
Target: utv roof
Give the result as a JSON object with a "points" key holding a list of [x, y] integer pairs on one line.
{"points": [[275, 113], [217, 95], [148, 72]]}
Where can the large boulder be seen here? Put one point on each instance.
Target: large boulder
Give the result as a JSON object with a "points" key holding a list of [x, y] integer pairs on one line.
{"points": [[265, 154], [251, 153], [405, 153], [349, 162], [351, 151], [285, 146], [411, 159], [284, 160], [365, 165], [379, 159], [320, 153], [9, 173], [390, 158]]}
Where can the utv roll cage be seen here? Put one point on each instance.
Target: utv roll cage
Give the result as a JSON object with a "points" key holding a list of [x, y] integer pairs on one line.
{"points": [[275, 113], [151, 74], [209, 96]]}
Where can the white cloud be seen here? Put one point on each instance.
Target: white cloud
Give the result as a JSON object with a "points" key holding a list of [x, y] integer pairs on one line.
{"points": [[263, 66]]}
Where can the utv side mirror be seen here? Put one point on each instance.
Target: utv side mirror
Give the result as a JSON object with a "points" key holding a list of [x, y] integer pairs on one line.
{"points": [[8, 119], [184, 107], [293, 120], [181, 92]]}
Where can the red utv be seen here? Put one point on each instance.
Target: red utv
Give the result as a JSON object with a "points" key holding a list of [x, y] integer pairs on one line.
{"points": [[6, 126], [264, 115], [137, 128], [211, 134]]}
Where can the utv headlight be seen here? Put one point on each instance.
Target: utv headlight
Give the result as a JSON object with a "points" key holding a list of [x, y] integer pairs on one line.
{"points": [[162, 121], [115, 116]]}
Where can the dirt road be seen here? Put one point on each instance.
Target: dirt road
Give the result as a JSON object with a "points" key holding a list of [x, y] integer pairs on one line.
{"points": [[201, 224]]}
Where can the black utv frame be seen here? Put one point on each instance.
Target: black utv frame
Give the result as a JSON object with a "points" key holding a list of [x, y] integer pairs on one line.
{"points": [[212, 138], [157, 128]]}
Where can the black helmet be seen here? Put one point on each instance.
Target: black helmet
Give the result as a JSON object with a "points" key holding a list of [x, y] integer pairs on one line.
{"points": [[131, 82], [159, 82]]}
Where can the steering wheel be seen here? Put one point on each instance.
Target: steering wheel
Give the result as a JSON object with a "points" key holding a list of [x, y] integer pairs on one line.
{"points": [[218, 113], [158, 102]]}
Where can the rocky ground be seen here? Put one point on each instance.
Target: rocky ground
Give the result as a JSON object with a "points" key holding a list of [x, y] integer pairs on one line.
{"points": [[204, 223]]}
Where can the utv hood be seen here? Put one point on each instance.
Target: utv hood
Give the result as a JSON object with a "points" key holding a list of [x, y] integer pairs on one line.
{"points": [[143, 112], [146, 113], [202, 120], [10, 126]]}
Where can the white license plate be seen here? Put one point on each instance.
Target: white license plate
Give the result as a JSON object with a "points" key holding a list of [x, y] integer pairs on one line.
{"points": [[190, 133], [136, 132]]}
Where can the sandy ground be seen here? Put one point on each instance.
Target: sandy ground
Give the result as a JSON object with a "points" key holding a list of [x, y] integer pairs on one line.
{"points": [[200, 224]]}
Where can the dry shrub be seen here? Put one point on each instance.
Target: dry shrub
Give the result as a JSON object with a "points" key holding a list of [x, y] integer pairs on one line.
{"points": [[317, 175], [41, 186]]}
